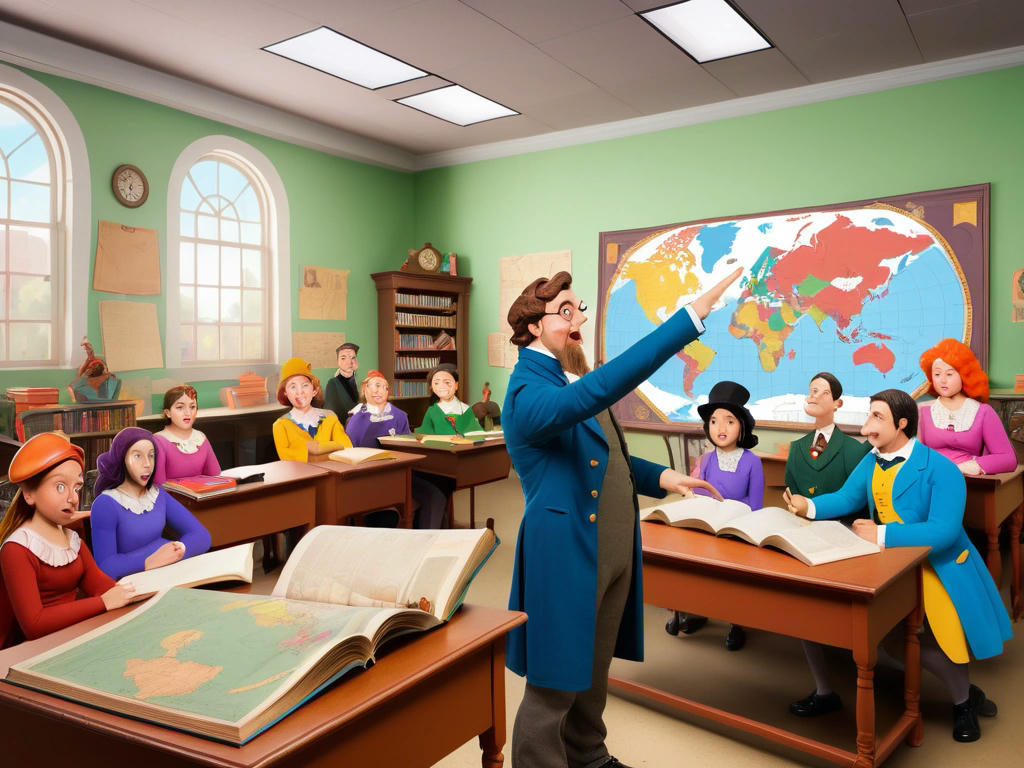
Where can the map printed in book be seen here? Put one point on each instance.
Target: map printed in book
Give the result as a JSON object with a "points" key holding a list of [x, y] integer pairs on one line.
{"points": [[359, 455], [201, 486], [810, 541], [226, 666], [229, 564]]}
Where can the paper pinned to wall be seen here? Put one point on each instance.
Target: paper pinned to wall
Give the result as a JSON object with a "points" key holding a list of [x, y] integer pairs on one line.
{"points": [[127, 260], [323, 294], [131, 335], [501, 353], [317, 348], [1018, 296], [515, 273]]}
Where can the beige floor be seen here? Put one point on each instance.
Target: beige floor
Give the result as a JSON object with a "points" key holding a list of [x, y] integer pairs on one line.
{"points": [[758, 682]]}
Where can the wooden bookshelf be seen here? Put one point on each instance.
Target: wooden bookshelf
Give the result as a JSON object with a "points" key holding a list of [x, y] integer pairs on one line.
{"points": [[413, 309], [90, 425]]}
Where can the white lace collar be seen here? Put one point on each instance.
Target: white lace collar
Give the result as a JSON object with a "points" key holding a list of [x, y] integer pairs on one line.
{"points": [[453, 407], [46, 551], [137, 505], [377, 413], [959, 420], [728, 460], [188, 445], [310, 418]]}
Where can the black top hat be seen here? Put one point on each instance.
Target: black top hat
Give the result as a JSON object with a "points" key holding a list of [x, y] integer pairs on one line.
{"points": [[733, 397]]}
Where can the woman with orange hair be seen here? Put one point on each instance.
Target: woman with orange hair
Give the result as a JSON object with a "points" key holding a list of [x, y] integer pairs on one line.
{"points": [[960, 424]]}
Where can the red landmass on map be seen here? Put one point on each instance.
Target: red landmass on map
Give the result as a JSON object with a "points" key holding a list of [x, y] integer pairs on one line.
{"points": [[877, 355], [691, 369]]}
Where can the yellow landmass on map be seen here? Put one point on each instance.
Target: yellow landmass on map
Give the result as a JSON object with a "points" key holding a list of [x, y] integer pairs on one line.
{"points": [[659, 284], [816, 315], [165, 675], [701, 353], [771, 343]]}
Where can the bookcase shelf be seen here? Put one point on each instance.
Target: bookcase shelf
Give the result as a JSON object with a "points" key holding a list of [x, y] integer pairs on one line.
{"points": [[89, 425], [423, 305]]}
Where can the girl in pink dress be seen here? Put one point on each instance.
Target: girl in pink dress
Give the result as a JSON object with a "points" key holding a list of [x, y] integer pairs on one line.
{"points": [[960, 424], [182, 450]]}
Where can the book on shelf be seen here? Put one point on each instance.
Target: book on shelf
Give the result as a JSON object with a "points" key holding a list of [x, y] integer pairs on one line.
{"points": [[226, 666], [812, 542], [443, 341], [201, 486], [229, 564], [359, 455]]}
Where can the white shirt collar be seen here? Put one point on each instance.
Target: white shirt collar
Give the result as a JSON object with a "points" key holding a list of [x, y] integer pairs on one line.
{"points": [[453, 407], [904, 451], [538, 346], [826, 431]]}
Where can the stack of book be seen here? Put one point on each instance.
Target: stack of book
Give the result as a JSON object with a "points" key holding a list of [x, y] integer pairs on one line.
{"points": [[443, 341], [27, 398], [251, 390]]}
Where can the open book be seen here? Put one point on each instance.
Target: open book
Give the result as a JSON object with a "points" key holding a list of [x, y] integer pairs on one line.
{"points": [[810, 541], [201, 486], [230, 564], [359, 455], [226, 666]]}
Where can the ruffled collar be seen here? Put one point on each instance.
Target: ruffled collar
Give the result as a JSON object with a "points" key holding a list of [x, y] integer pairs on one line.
{"points": [[137, 505], [46, 551], [959, 420], [453, 407], [190, 445], [728, 460], [310, 418], [377, 413]]}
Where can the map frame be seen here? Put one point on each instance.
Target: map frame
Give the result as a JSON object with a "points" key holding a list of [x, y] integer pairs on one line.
{"points": [[959, 215]]}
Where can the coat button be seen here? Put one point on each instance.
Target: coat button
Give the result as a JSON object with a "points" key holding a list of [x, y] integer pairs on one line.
{"points": [[594, 494], [593, 518], [594, 462]]}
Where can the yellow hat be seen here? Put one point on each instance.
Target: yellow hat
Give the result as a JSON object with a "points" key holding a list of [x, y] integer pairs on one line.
{"points": [[41, 453], [295, 367]]}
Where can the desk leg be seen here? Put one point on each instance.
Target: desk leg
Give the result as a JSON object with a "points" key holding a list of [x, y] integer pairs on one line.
{"points": [[912, 674], [865, 713], [1016, 519], [992, 559], [493, 739], [472, 506], [406, 518]]}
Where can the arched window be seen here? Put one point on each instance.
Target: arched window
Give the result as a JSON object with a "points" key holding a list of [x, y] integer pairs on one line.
{"points": [[225, 259]]}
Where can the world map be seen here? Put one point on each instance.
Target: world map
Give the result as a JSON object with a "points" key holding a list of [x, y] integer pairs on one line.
{"points": [[859, 292]]}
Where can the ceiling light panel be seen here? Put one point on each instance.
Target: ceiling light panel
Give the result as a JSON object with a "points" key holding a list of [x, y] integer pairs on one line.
{"points": [[457, 105], [706, 29]]}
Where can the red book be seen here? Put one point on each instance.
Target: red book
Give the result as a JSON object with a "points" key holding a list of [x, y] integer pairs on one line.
{"points": [[201, 486]]}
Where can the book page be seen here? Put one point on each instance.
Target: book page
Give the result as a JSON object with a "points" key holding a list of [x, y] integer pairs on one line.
{"points": [[758, 524], [821, 541], [247, 469], [221, 565], [358, 455], [381, 567], [701, 512]]}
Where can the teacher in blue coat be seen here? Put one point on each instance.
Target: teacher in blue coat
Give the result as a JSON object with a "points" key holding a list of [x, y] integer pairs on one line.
{"points": [[578, 556]]}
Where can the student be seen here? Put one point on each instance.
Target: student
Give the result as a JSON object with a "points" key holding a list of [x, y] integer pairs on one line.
{"points": [[341, 394], [130, 512], [182, 450], [732, 469], [819, 463], [918, 496], [960, 424], [48, 578], [375, 417], [449, 415], [306, 430]]}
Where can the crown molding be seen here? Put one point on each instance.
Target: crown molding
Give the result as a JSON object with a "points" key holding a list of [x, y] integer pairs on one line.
{"points": [[749, 105], [35, 51]]}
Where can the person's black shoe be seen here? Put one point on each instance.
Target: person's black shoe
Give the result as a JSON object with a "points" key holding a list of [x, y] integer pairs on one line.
{"points": [[965, 722], [736, 638], [612, 762], [816, 704], [984, 707], [672, 625], [690, 623]]}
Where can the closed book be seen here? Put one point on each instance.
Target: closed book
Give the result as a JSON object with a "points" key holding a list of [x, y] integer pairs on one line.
{"points": [[360, 455], [201, 486]]}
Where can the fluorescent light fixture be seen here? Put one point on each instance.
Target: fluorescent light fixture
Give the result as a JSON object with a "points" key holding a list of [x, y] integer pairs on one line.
{"points": [[706, 29], [331, 52], [457, 105]]}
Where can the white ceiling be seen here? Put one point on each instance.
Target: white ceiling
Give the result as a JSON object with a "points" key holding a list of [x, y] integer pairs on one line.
{"points": [[563, 64]]}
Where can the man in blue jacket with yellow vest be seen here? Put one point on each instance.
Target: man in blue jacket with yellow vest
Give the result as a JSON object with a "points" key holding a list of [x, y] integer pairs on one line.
{"points": [[578, 557]]}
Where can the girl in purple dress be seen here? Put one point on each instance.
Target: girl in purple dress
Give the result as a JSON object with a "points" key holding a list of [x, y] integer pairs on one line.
{"points": [[182, 450], [732, 469], [960, 424], [130, 512]]}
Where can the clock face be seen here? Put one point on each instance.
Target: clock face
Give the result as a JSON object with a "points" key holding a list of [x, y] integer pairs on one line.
{"points": [[130, 186], [429, 259]]}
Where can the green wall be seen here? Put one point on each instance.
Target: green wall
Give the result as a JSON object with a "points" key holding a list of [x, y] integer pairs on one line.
{"points": [[344, 214], [943, 134]]}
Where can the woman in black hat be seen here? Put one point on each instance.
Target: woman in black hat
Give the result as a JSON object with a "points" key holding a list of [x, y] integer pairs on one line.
{"points": [[731, 468]]}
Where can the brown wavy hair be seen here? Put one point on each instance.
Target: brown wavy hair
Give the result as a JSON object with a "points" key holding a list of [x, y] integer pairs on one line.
{"points": [[529, 306], [171, 397], [960, 356]]}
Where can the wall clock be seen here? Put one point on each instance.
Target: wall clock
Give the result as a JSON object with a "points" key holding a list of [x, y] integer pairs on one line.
{"points": [[130, 186], [425, 259]]}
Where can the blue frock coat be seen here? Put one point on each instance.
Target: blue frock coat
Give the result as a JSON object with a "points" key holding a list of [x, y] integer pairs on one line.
{"points": [[929, 496], [560, 454]]}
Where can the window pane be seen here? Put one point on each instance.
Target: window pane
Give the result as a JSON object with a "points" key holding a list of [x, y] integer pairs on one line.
{"points": [[30, 299], [189, 196], [252, 271], [187, 262], [249, 205], [232, 182], [187, 305], [3, 341], [30, 202], [230, 266], [14, 129], [253, 342], [30, 161], [207, 309], [207, 264], [206, 343], [229, 231], [230, 305], [30, 341], [230, 342], [207, 227], [4, 197], [3, 300], [30, 250], [3, 245], [252, 234], [252, 306], [188, 343], [188, 224], [204, 174]]}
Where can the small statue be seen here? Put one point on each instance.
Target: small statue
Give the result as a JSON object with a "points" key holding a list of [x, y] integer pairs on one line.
{"points": [[488, 413], [94, 383]]}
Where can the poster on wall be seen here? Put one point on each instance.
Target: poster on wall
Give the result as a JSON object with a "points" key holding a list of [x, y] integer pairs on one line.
{"points": [[859, 289]]}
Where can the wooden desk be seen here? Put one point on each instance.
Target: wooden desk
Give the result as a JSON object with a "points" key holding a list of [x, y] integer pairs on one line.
{"points": [[849, 604], [425, 697], [468, 465], [353, 489], [990, 500], [287, 498]]}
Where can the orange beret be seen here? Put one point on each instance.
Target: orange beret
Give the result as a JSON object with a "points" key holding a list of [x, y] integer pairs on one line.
{"points": [[41, 453]]}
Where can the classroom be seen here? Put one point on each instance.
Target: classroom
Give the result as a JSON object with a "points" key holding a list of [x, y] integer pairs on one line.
{"points": [[601, 134]]}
